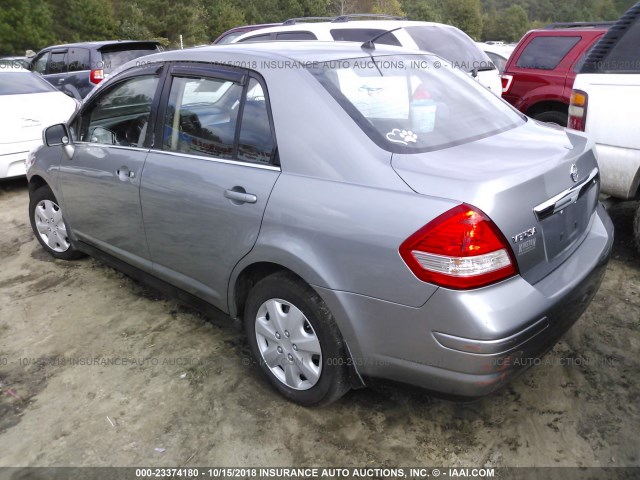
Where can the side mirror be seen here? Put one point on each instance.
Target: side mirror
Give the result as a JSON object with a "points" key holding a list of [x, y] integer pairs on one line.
{"points": [[56, 135]]}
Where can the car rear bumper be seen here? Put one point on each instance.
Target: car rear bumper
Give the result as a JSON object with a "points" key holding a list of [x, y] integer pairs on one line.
{"points": [[473, 342]]}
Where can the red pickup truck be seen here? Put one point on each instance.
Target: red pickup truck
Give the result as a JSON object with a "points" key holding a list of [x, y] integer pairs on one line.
{"points": [[539, 75]]}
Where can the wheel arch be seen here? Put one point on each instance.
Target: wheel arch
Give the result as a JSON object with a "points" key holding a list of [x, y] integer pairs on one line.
{"points": [[35, 182], [245, 277], [546, 106]]}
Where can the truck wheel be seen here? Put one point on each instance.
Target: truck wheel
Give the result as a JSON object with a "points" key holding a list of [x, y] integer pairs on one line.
{"points": [[553, 116]]}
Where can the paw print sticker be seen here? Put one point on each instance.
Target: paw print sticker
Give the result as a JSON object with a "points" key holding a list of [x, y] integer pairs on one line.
{"points": [[403, 137]]}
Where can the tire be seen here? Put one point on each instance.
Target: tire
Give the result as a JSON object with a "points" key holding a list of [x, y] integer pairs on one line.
{"points": [[49, 226], [636, 228], [553, 116], [281, 313]]}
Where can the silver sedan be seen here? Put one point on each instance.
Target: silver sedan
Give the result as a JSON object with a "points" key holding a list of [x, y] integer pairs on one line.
{"points": [[364, 212]]}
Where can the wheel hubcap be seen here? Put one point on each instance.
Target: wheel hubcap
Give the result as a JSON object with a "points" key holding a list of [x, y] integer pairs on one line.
{"points": [[288, 344], [51, 226]]}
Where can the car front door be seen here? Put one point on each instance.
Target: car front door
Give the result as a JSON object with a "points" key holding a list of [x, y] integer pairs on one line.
{"points": [[208, 178], [100, 181]]}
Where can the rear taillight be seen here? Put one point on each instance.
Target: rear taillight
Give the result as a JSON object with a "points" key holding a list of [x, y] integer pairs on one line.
{"points": [[578, 110], [461, 249], [506, 82], [96, 75]]}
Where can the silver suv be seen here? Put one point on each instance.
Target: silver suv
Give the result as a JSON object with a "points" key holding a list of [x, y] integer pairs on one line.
{"points": [[364, 215]]}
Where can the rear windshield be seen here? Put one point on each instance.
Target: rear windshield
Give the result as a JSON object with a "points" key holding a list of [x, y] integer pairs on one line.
{"points": [[113, 59], [405, 105], [20, 83], [452, 45]]}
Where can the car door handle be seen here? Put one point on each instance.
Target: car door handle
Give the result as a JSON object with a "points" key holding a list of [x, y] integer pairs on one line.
{"points": [[238, 196], [60, 81]]}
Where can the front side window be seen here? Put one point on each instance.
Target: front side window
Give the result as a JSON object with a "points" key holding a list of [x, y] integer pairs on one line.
{"points": [[214, 117], [406, 106], [546, 53], [39, 64], [257, 38], [120, 115]]}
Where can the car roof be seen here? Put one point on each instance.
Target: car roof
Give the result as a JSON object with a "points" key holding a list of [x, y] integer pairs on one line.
{"points": [[11, 66], [299, 51], [358, 24], [99, 44]]}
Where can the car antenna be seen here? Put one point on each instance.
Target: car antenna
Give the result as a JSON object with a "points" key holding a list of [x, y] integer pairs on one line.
{"points": [[370, 45]]}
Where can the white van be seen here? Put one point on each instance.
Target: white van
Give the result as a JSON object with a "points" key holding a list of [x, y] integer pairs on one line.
{"points": [[605, 103]]}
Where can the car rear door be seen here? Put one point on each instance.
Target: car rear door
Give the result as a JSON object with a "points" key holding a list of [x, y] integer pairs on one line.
{"points": [[208, 178], [57, 68], [100, 181]]}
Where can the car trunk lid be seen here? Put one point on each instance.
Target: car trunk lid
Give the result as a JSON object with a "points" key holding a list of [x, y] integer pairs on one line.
{"points": [[538, 184]]}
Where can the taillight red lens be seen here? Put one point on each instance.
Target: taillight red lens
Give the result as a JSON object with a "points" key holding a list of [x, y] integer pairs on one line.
{"points": [[96, 75], [506, 82], [578, 110], [461, 249]]}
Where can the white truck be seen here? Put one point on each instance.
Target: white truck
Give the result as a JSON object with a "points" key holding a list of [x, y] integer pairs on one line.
{"points": [[605, 103]]}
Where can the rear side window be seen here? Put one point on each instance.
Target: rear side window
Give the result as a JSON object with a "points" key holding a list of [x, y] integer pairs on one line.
{"points": [[451, 44], [203, 116], [79, 59], [112, 59], [364, 35], [546, 53], [296, 36], [406, 107], [57, 63], [20, 83]]}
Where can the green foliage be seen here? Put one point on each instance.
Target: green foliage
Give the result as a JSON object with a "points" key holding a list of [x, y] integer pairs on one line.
{"points": [[25, 24], [464, 14], [34, 24], [508, 25]]}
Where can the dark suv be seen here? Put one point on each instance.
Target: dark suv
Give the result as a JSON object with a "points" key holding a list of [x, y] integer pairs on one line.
{"points": [[539, 75], [75, 68]]}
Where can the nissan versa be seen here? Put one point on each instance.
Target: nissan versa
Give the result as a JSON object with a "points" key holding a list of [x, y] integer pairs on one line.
{"points": [[363, 214]]}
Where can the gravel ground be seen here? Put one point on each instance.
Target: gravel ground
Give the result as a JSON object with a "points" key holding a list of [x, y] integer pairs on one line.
{"points": [[189, 396]]}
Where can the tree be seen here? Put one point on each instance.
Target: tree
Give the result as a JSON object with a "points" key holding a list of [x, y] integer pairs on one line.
{"points": [[388, 7], [464, 14], [512, 23], [422, 10], [25, 24], [84, 20]]}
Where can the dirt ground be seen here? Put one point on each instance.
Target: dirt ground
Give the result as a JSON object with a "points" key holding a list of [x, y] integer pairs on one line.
{"points": [[183, 392]]}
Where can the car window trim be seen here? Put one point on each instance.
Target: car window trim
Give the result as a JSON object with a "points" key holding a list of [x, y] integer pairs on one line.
{"points": [[240, 163]]}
